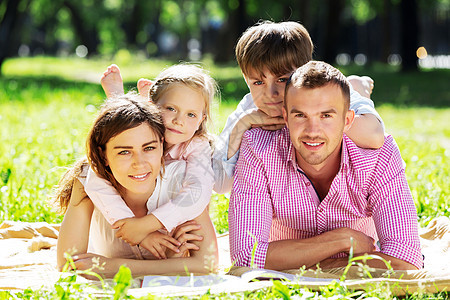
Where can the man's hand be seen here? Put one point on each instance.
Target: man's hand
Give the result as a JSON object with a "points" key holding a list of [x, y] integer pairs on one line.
{"points": [[360, 242], [157, 243], [254, 118], [131, 230]]}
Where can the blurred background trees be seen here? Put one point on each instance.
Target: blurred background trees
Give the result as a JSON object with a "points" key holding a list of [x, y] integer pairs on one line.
{"points": [[343, 31]]}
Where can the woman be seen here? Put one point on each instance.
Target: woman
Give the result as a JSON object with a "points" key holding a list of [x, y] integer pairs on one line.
{"points": [[125, 147]]}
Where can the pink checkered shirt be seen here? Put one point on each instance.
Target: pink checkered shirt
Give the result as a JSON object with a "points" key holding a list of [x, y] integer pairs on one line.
{"points": [[273, 199]]}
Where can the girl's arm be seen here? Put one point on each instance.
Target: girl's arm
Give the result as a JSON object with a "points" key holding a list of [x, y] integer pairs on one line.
{"points": [[74, 231], [196, 187], [203, 261], [106, 198]]}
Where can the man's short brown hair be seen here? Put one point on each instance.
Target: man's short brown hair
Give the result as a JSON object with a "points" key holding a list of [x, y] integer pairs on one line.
{"points": [[279, 47], [317, 74]]}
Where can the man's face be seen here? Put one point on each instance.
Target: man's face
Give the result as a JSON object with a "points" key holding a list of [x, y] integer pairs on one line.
{"points": [[316, 119], [267, 90]]}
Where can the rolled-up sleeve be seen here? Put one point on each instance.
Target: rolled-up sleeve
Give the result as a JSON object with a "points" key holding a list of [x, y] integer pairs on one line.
{"points": [[250, 210], [362, 105], [394, 212]]}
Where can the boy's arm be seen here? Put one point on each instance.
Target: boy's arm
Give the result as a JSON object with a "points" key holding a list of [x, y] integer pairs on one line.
{"points": [[227, 145], [367, 130], [196, 187]]}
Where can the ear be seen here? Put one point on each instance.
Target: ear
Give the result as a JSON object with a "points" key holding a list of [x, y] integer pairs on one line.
{"points": [[349, 118], [285, 116]]}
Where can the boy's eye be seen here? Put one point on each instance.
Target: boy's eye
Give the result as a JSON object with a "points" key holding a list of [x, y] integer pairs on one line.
{"points": [[258, 82], [284, 79], [124, 152]]}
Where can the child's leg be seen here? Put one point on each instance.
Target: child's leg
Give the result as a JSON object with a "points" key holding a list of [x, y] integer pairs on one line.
{"points": [[143, 86], [362, 84], [112, 81]]}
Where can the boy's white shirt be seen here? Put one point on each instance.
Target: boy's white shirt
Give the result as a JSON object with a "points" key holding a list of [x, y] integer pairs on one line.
{"points": [[224, 168], [186, 203]]}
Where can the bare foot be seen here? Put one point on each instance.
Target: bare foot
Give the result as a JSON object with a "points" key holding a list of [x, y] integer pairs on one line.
{"points": [[112, 82], [143, 86], [362, 84]]}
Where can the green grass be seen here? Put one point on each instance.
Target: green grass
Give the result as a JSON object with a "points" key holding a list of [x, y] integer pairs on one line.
{"points": [[48, 104]]}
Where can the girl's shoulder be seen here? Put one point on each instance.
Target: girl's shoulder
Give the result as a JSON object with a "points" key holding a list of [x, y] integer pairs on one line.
{"points": [[198, 145]]}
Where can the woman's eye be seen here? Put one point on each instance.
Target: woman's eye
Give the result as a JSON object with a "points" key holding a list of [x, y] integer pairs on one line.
{"points": [[149, 148], [124, 152]]}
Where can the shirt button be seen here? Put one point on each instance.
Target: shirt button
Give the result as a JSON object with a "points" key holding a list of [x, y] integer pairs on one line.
{"points": [[308, 184]]}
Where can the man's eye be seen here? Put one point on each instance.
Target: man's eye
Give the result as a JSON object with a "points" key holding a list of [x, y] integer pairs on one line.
{"points": [[326, 116], [299, 115]]}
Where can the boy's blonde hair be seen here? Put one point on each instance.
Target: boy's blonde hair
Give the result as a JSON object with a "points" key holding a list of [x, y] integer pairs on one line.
{"points": [[192, 76], [278, 47]]}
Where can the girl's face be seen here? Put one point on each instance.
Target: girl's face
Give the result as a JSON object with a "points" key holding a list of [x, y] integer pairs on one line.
{"points": [[182, 112], [134, 157]]}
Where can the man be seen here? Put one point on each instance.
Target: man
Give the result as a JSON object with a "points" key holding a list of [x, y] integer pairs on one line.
{"points": [[307, 194]]}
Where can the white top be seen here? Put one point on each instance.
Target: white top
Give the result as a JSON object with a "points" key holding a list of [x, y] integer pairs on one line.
{"points": [[224, 168], [187, 203], [102, 238]]}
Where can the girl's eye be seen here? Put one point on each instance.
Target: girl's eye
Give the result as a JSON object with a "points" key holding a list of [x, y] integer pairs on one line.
{"points": [[192, 115], [170, 108], [124, 152]]}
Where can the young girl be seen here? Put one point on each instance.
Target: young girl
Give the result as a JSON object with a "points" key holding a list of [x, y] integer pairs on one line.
{"points": [[184, 93], [125, 148]]}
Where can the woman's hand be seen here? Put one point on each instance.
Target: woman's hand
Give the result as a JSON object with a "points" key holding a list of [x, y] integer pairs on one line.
{"points": [[183, 233], [101, 265]]}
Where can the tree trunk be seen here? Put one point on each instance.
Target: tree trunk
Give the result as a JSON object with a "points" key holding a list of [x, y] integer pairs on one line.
{"points": [[409, 34], [386, 30], [88, 36], [6, 27], [332, 30]]}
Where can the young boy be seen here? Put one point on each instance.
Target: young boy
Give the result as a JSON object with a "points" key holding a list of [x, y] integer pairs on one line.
{"points": [[267, 54]]}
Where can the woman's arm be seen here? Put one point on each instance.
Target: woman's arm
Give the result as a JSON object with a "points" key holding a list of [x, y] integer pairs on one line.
{"points": [[203, 261], [74, 231]]}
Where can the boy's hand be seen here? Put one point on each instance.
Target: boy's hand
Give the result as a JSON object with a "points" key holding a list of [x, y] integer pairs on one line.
{"points": [[157, 243], [258, 118], [131, 230]]}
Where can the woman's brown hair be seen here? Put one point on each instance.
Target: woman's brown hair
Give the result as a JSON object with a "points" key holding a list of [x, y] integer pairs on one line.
{"points": [[116, 115]]}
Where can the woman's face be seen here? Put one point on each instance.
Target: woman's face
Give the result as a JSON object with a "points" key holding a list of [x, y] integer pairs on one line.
{"points": [[134, 157]]}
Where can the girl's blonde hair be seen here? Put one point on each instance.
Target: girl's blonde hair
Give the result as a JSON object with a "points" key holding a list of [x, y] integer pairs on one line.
{"points": [[116, 115], [192, 76]]}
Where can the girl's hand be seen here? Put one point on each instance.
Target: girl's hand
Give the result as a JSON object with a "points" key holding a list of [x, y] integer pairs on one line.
{"points": [[183, 233], [157, 243], [131, 230]]}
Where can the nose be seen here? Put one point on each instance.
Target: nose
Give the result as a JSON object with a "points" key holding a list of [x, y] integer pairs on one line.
{"points": [[138, 160], [312, 127], [275, 90], [178, 119]]}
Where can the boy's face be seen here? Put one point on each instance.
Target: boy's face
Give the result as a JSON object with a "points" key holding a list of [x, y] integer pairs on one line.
{"points": [[267, 90]]}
